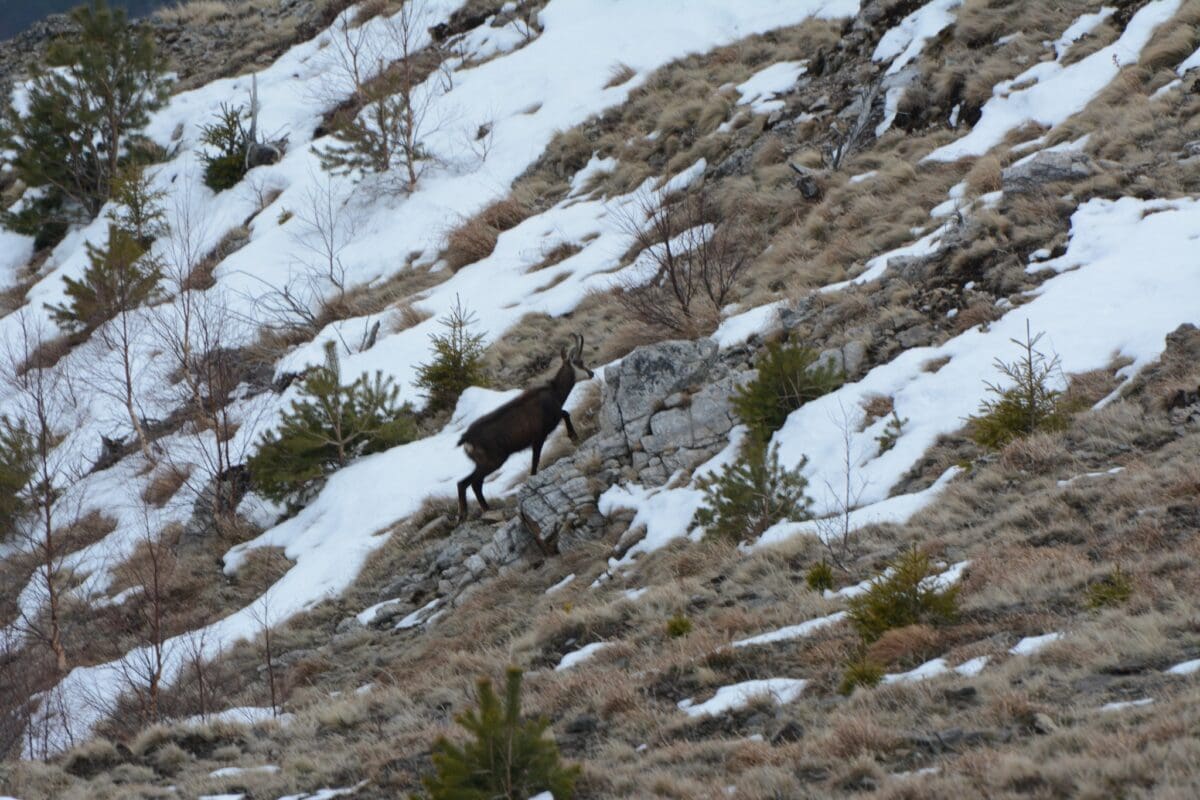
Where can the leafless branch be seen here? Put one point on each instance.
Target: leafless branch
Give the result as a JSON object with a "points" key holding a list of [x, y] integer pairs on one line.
{"points": [[689, 267]]}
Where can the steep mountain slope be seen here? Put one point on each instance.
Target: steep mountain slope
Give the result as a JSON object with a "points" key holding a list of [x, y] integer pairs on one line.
{"points": [[919, 185]]}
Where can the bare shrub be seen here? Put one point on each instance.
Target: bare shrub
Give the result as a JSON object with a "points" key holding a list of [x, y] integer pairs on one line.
{"points": [[143, 670], [686, 267], [43, 402], [394, 103], [316, 286]]}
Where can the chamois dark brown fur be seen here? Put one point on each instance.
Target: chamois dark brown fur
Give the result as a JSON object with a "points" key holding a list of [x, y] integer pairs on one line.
{"points": [[524, 421]]}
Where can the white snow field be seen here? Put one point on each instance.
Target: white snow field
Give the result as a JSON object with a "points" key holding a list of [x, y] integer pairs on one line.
{"points": [[550, 84]]}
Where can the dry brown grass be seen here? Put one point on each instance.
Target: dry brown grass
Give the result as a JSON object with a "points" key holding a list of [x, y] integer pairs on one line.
{"points": [[165, 484], [264, 31], [620, 73], [984, 176], [474, 239], [198, 12], [906, 647], [49, 352], [1174, 41], [1038, 453]]}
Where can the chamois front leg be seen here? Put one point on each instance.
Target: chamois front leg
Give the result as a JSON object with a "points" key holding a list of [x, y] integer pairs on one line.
{"points": [[570, 428]]}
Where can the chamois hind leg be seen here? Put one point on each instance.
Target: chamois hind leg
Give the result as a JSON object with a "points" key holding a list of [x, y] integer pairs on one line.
{"points": [[477, 485], [537, 455], [483, 469], [475, 481], [462, 496]]}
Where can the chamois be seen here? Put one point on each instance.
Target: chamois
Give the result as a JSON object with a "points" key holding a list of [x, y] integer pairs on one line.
{"points": [[524, 421]]}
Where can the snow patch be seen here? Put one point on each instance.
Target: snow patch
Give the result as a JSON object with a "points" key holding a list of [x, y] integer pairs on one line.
{"points": [[577, 657], [1057, 91], [1126, 704], [762, 88], [892, 510], [905, 42], [1185, 668], [241, 715], [232, 772], [740, 695], [793, 631], [1032, 644], [561, 584]]}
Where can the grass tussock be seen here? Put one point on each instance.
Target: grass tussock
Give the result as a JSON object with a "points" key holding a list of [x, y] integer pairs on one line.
{"points": [[474, 239], [165, 484]]}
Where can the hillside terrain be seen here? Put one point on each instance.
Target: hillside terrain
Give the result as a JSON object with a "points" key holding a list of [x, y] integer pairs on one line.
{"points": [[18, 15], [883, 472]]}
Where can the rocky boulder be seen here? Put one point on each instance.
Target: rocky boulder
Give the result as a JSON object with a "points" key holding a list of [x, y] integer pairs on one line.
{"points": [[635, 388], [666, 407], [1045, 167]]}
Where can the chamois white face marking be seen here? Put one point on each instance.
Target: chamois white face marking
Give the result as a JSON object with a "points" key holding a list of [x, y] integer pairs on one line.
{"points": [[582, 373], [574, 357]]}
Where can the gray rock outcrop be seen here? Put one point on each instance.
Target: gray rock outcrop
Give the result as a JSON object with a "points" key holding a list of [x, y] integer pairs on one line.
{"points": [[666, 407], [1046, 167]]}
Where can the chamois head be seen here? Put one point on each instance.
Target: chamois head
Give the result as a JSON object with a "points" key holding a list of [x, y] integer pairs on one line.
{"points": [[573, 361]]}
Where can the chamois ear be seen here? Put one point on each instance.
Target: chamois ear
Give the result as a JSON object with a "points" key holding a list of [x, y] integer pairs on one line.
{"points": [[563, 353], [578, 354]]}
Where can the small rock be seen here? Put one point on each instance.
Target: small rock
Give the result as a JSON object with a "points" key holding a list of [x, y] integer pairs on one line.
{"points": [[807, 181], [962, 696], [791, 731], [917, 336], [584, 723], [1046, 167], [847, 359], [1043, 724]]}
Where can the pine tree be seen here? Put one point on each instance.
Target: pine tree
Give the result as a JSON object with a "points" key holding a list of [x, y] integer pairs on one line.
{"points": [[752, 494], [907, 595], [139, 208], [506, 759], [457, 360], [1028, 404], [123, 274], [16, 470], [230, 141], [372, 140], [81, 115], [386, 135], [788, 377], [326, 427], [116, 280]]}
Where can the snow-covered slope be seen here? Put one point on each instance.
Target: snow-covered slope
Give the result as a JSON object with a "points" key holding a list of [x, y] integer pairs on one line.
{"points": [[550, 84], [1125, 278]]}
